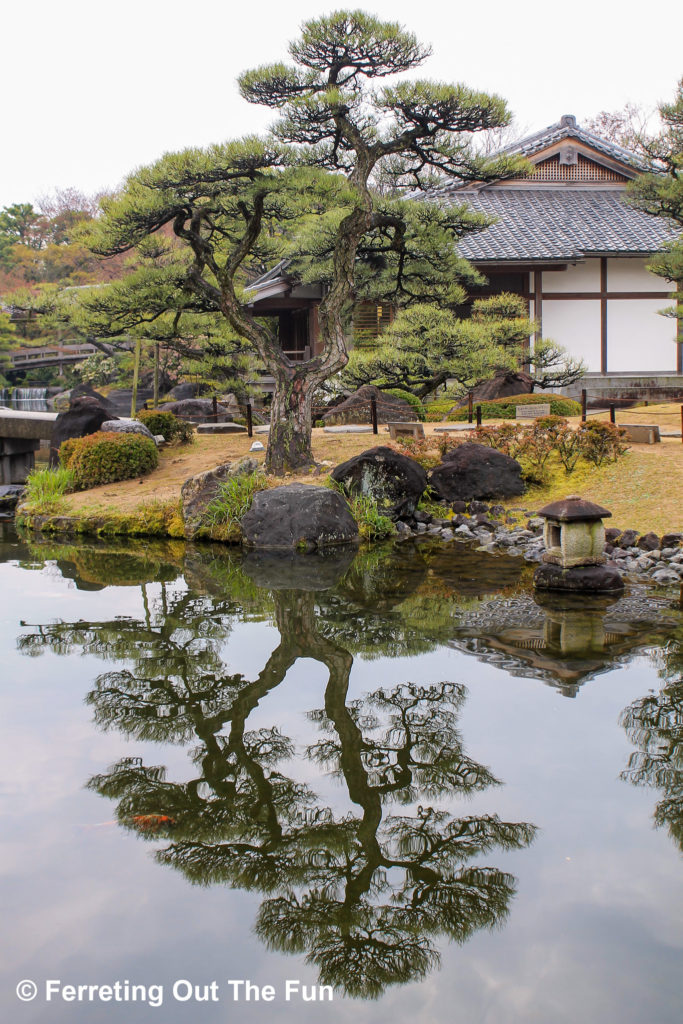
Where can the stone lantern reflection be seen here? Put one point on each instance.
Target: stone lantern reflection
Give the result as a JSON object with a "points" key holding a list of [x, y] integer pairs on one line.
{"points": [[574, 557]]}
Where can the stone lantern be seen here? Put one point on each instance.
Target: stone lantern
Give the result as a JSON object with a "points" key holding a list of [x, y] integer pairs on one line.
{"points": [[574, 557]]}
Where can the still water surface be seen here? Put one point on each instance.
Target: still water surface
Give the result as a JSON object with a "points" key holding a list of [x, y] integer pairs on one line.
{"points": [[398, 775]]}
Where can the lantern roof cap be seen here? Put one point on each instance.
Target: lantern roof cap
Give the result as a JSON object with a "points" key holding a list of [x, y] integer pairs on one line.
{"points": [[572, 508]]}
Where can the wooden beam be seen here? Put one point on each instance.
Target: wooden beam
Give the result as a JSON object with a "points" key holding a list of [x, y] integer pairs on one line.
{"points": [[606, 295], [538, 310], [603, 314], [679, 329], [516, 268], [266, 307]]}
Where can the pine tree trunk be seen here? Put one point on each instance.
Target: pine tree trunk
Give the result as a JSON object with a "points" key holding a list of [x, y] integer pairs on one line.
{"points": [[289, 441]]}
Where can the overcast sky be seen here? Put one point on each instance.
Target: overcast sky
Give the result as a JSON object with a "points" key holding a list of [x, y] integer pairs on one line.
{"points": [[93, 90]]}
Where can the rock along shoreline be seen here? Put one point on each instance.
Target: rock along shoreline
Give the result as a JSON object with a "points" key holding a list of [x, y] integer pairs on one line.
{"points": [[490, 528]]}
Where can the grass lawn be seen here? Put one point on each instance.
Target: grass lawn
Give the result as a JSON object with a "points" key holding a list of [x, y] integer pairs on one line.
{"points": [[644, 490]]}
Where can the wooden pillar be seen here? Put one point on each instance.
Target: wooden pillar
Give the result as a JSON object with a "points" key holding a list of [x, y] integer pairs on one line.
{"points": [[314, 331], [603, 314], [373, 413], [538, 309], [679, 328]]}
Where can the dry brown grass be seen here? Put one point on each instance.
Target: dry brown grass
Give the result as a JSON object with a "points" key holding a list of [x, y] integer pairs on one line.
{"points": [[644, 490]]}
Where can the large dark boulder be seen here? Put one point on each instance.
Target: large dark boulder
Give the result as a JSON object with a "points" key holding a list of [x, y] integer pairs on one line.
{"points": [[356, 408], [477, 471], [300, 517], [63, 399], [200, 410], [120, 399], [503, 384], [581, 579], [84, 416], [186, 389], [395, 482]]}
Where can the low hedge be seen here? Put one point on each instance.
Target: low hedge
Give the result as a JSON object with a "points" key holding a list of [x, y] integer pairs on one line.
{"points": [[104, 457], [410, 398], [505, 408], [438, 410], [166, 423]]}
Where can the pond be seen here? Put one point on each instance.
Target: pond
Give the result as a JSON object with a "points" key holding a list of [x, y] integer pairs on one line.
{"points": [[389, 786]]}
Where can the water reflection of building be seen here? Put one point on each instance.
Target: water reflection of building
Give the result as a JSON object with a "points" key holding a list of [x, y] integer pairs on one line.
{"points": [[563, 639]]}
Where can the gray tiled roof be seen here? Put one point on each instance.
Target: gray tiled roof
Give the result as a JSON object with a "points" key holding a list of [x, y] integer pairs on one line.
{"points": [[558, 224], [568, 129]]}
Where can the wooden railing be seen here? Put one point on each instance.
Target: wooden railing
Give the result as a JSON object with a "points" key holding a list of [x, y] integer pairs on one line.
{"points": [[57, 354]]}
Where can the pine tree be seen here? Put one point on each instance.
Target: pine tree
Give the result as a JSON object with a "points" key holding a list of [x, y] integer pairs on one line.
{"points": [[315, 192]]}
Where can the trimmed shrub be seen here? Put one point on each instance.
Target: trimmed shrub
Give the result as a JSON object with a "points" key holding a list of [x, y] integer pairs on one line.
{"points": [[104, 457], [166, 423], [505, 408], [600, 441], [410, 398], [535, 445]]}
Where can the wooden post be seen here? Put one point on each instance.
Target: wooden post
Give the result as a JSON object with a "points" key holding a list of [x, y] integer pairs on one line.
{"points": [[136, 375], [250, 424], [612, 414], [682, 424], [583, 405], [214, 409], [373, 413], [470, 400], [155, 403], [478, 416]]}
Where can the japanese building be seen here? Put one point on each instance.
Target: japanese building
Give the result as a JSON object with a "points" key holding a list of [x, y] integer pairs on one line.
{"points": [[566, 241]]}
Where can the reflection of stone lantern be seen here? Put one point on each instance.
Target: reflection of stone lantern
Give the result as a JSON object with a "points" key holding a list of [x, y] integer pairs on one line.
{"points": [[574, 554]]}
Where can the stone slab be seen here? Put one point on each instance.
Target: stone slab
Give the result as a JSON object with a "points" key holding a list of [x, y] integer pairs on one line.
{"points": [[220, 428], [401, 429], [641, 433], [348, 428], [26, 425], [532, 412], [453, 427]]}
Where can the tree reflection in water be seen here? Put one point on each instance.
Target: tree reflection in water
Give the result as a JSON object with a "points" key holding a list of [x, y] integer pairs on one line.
{"points": [[654, 724], [364, 895]]}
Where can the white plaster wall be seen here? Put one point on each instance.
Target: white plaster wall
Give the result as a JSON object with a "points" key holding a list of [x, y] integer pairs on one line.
{"points": [[574, 323], [578, 277], [637, 338], [630, 275]]}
